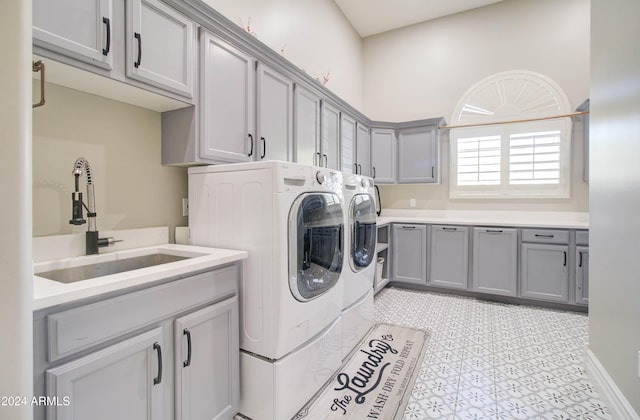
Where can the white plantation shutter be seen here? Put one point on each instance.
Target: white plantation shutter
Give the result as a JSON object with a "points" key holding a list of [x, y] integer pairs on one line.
{"points": [[534, 158], [522, 159]]}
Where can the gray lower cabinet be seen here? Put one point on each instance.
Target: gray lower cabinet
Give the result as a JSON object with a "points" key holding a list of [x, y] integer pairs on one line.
{"points": [[544, 272], [582, 275], [409, 253], [495, 261], [206, 362], [449, 256], [166, 352]]}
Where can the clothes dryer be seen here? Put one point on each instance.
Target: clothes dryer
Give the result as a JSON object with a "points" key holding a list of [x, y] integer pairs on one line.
{"points": [[360, 251], [289, 217]]}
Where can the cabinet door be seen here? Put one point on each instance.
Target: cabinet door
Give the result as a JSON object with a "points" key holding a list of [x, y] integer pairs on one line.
{"points": [[544, 273], [495, 261], [160, 46], [410, 253], [582, 275], [449, 252], [207, 362], [227, 95], [124, 381], [307, 127], [383, 156], [330, 136], [348, 143], [275, 115], [418, 154], [81, 29], [363, 150]]}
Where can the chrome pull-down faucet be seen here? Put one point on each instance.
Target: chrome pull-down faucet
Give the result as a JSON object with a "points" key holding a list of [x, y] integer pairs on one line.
{"points": [[92, 240]]}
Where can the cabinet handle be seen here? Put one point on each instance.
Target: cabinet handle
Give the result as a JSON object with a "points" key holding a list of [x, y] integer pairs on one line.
{"points": [[565, 259], [580, 259], [408, 227], [538, 235], [137, 36], [250, 143], [38, 66], [450, 229], [373, 168], [494, 231], [264, 147], [433, 172], [355, 168], [326, 160], [188, 334], [359, 169], [158, 349], [106, 21]]}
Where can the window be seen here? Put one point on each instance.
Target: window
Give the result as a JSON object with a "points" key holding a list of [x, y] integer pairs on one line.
{"points": [[523, 159]]}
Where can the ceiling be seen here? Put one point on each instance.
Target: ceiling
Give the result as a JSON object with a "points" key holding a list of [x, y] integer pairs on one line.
{"points": [[370, 17]]}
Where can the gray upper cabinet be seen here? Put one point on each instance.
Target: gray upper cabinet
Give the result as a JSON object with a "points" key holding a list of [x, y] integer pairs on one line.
{"points": [[227, 102], [419, 154], [307, 126], [330, 136], [363, 149], [449, 256], [274, 115], [495, 261], [348, 143], [80, 29], [383, 155], [544, 265], [409, 253], [161, 46]]}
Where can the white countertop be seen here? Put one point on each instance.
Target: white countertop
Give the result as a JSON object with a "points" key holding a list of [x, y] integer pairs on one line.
{"points": [[49, 293], [536, 219]]}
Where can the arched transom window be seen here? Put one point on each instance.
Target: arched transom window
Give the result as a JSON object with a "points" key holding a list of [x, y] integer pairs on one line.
{"points": [[509, 142]]}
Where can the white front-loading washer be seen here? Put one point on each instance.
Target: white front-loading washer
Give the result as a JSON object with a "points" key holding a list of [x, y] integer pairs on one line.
{"points": [[289, 217], [360, 252]]}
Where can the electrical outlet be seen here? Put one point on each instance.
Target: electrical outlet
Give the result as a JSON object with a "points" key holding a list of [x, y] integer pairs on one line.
{"points": [[185, 206], [412, 202]]}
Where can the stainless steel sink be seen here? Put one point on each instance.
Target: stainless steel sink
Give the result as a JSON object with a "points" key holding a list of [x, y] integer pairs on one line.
{"points": [[89, 271]]}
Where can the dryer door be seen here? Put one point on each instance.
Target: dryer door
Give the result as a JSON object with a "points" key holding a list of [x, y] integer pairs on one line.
{"points": [[315, 244], [362, 231]]}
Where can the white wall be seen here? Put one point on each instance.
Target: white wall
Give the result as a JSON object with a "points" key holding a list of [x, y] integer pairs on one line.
{"points": [[614, 308], [16, 281], [314, 33], [122, 144], [423, 70]]}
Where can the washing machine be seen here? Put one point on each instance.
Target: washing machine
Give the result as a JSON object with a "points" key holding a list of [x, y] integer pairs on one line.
{"points": [[360, 251], [290, 219]]}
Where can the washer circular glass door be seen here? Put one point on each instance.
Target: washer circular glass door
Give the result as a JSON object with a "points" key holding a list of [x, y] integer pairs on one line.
{"points": [[362, 231], [316, 245]]}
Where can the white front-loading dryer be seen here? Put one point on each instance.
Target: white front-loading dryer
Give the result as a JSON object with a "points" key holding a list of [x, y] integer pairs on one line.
{"points": [[360, 252], [290, 219]]}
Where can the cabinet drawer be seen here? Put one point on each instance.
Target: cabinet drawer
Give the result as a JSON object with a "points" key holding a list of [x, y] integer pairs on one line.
{"points": [[546, 236], [85, 326], [582, 237]]}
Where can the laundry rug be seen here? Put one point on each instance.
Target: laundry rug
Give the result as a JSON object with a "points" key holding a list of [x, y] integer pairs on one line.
{"points": [[377, 380]]}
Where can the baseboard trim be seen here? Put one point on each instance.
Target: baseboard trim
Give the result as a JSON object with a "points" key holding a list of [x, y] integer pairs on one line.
{"points": [[611, 394]]}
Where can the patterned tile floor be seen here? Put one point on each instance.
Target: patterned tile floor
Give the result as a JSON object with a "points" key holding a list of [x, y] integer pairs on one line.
{"points": [[488, 360]]}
